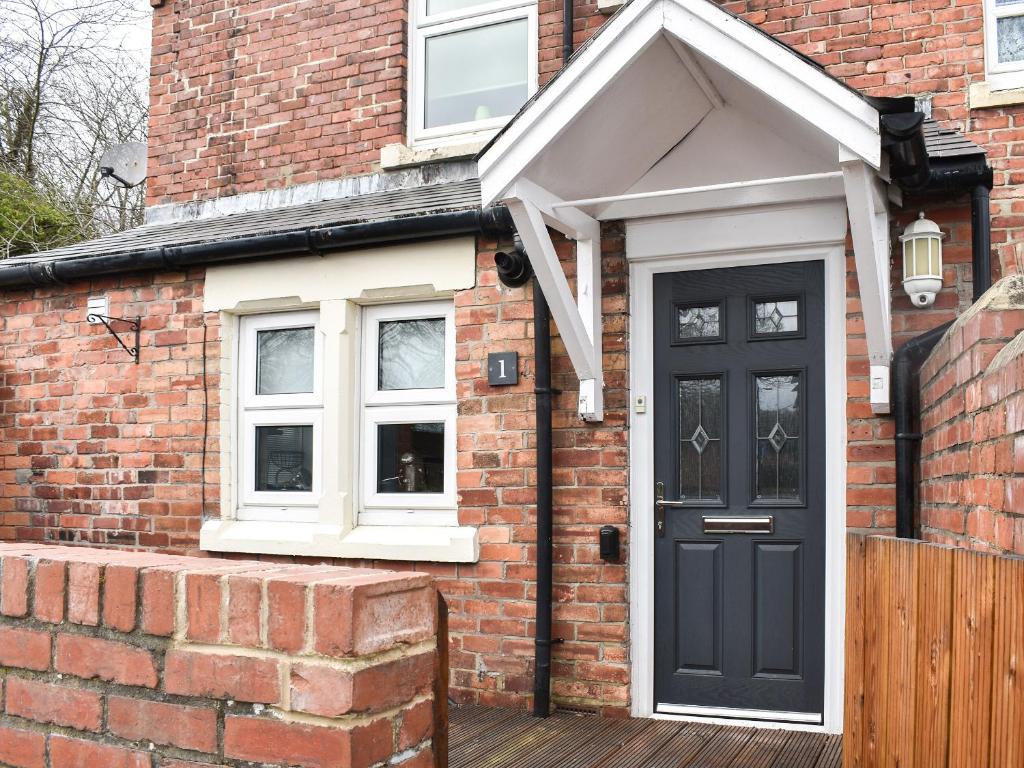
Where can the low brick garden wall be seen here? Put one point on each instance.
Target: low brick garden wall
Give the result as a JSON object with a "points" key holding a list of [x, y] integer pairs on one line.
{"points": [[129, 660]]}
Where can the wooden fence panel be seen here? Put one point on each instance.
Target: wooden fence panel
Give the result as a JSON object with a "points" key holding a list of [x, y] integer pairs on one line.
{"points": [[853, 710], [1008, 665], [934, 644], [934, 649], [972, 658]]}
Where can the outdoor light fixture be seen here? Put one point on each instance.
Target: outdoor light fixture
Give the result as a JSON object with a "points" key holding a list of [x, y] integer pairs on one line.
{"points": [[922, 261]]}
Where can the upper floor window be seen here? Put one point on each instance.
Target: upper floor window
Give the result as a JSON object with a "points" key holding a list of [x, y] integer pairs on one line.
{"points": [[1004, 43], [473, 65]]}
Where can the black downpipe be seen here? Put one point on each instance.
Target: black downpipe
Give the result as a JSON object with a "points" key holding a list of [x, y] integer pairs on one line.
{"points": [[916, 172], [981, 238], [568, 14], [906, 407], [545, 535]]}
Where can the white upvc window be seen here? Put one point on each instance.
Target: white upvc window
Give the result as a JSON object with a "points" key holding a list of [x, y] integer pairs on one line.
{"points": [[407, 445], [1004, 43], [280, 425], [473, 64]]}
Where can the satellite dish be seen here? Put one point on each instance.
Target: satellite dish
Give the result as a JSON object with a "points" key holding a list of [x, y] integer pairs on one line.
{"points": [[125, 163]]}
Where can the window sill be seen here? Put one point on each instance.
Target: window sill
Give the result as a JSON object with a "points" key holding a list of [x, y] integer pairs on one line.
{"points": [[434, 544], [394, 156], [983, 96]]}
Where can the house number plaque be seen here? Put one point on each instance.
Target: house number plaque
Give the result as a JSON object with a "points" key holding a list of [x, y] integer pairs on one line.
{"points": [[502, 368]]}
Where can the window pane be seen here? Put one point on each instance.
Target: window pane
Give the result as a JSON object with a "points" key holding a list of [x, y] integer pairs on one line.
{"points": [[1010, 33], [476, 74], [411, 354], [410, 458], [444, 6], [700, 439], [771, 317], [777, 462], [284, 361], [284, 458], [698, 323]]}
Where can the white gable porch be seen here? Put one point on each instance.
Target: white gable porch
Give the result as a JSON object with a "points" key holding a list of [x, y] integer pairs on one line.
{"points": [[705, 135]]}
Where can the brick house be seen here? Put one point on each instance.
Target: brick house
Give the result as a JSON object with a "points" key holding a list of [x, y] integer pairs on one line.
{"points": [[711, 198]]}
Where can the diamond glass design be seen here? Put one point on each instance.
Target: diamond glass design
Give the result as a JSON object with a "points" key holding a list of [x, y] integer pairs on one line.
{"points": [[700, 450], [700, 439], [778, 463], [776, 317], [698, 323]]}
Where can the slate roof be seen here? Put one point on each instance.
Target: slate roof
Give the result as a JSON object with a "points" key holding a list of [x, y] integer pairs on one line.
{"points": [[946, 142], [376, 206]]}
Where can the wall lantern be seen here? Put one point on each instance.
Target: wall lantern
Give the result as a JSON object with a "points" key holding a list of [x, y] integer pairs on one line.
{"points": [[922, 261]]}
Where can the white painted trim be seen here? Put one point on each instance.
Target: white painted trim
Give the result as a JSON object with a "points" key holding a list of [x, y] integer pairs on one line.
{"points": [[429, 543], [687, 191], [999, 77], [764, 725], [373, 316], [869, 228], [641, 450], [578, 318], [730, 42], [422, 27], [729, 713]]}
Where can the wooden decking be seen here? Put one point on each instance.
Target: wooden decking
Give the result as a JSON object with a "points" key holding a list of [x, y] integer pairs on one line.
{"points": [[482, 737]]}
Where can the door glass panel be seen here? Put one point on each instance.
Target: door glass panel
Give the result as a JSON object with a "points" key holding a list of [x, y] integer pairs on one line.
{"points": [[284, 361], [779, 406], [700, 438], [410, 458], [776, 316], [411, 354], [284, 458], [698, 323]]}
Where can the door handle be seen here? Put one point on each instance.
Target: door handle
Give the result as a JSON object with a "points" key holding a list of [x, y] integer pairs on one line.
{"points": [[659, 508]]}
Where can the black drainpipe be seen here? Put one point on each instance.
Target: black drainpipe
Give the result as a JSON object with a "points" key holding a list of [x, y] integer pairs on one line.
{"points": [[906, 410], [545, 534], [915, 172], [568, 14], [514, 271]]}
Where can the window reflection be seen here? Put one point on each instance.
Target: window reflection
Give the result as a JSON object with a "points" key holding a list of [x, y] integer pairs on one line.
{"points": [[777, 463], [700, 438]]}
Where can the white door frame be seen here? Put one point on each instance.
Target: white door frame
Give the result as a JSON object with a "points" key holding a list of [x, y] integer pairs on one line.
{"points": [[641, 448]]}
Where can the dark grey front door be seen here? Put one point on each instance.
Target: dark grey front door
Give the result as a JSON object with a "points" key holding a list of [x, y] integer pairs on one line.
{"points": [[739, 446]]}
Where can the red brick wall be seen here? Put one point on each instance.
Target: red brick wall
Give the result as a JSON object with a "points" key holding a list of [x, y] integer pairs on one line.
{"points": [[870, 453], [972, 490], [491, 603], [125, 659], [96, 449]]}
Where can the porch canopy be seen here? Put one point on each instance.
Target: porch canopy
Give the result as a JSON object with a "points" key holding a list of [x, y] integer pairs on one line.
{"points": [[675, 108]]}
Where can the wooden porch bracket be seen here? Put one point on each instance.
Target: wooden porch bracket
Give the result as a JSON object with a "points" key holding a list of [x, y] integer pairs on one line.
{"points": [[578, 318], [866, 202]]}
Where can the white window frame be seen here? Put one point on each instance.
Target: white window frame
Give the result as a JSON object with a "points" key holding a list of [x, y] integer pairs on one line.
{"points": [[1000, 76], [256, 410], [406, 407], [423, 27]]}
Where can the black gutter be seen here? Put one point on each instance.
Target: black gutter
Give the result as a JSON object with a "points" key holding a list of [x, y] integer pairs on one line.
{"points": [[494, 221], [917, 173], [906, 409]]}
